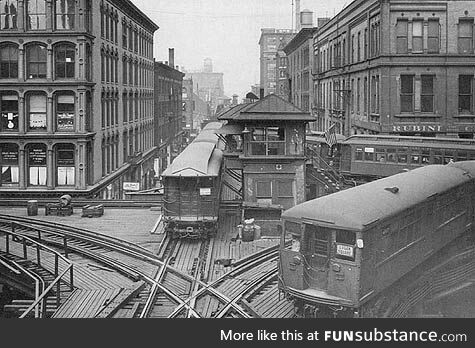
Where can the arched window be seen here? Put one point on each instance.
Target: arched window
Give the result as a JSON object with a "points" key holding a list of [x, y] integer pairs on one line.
{"points": [[36, 112], [64, 61], [36, 61], [65, 111], [65, 164], [9, 165], [9, 111], [8, 14], [65, 14], [36, 15], [8, 61], [37, 164]]}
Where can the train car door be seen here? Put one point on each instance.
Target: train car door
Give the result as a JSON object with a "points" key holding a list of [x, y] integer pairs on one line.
{"points": [[317, 240]]}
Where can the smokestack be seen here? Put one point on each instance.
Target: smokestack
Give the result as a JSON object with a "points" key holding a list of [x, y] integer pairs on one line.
{"points": [[297, 15], [171, 57]]}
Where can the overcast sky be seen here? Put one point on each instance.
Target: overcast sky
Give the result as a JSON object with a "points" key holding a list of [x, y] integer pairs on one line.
{"points": [[227, 31]]}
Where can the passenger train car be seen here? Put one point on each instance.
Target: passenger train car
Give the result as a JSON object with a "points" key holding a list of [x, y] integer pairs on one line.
{"points": [[377, 249], [369, 157], [191, 187]]}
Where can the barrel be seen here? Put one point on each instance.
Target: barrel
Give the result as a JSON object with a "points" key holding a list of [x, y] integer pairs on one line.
{"points": [[32, 208], [247, 234]]}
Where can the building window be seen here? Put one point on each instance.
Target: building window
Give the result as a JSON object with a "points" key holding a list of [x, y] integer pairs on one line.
{"points": [[359, 46], [365, 96], [9, 61], [64, 61], [268, 141], [9, 112], [263, 189], [9, 165], [88, 62], [433, 30], [407, 93], [124, 35], [36, 112], [36, 61], [427, 93], [8, 14], [36, 15], [465, 94], [465, 39], [65, 112], [401, 32], [65, 14], [37, 165], [417, 36], [65, 165]]}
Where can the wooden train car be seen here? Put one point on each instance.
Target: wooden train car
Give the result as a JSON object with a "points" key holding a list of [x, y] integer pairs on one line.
{"points": [[377, 249], [191, 187]]}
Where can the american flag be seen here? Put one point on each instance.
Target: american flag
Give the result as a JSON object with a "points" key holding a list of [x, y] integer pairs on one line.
{"points": [[330, 136]]}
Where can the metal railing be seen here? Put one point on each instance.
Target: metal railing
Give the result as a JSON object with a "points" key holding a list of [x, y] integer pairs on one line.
{"points": [[39, 305]]}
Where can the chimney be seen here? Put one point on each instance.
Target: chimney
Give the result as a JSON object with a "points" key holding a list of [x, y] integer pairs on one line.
{"points": [[297, 15], [171, 57]]}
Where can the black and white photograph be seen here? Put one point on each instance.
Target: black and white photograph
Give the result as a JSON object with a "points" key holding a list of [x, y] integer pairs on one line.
{"points": [[271, 159]]}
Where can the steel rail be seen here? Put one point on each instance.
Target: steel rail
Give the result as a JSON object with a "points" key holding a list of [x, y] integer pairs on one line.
{"points": [[250, 262]]}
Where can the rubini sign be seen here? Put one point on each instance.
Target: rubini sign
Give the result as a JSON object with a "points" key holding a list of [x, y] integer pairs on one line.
{"points": [[414, 127], [131, 186]]}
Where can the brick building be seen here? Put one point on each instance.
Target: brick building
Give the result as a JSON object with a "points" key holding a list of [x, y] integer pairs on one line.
{"points": [[76, 97], [397, 67], [273, 60], [169, 118]]}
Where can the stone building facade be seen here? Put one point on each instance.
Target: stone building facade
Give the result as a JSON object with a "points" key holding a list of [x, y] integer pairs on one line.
{"points": [[76, 97]]}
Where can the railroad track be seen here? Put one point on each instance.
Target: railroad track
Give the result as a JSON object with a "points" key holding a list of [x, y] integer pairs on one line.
{"points": [[132, 261], [224, 296], [175, 280], [182, 280]]}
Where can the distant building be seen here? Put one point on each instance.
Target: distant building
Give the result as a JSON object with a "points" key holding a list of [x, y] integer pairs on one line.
{"points": [[270, 42], [76, 98], [208, 85], [169, 119], [195, 109]]}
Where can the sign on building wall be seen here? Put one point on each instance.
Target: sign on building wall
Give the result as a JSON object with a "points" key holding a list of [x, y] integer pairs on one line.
{"points": [[131, 186]]}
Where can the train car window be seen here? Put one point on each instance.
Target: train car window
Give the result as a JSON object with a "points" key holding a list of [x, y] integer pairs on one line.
{"points": [[415, 159], [449, 156], [391, 157], [402, 158], [461, 156], [425, 158], [293, 232], [359, 154], [380, 155], [369, 154], [345, 245], [437, 157]]}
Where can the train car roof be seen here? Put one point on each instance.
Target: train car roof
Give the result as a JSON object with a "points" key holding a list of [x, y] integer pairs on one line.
{"points": [[321, 138], [208, 134], [197, 159], [398, 141], [358, 207]]}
